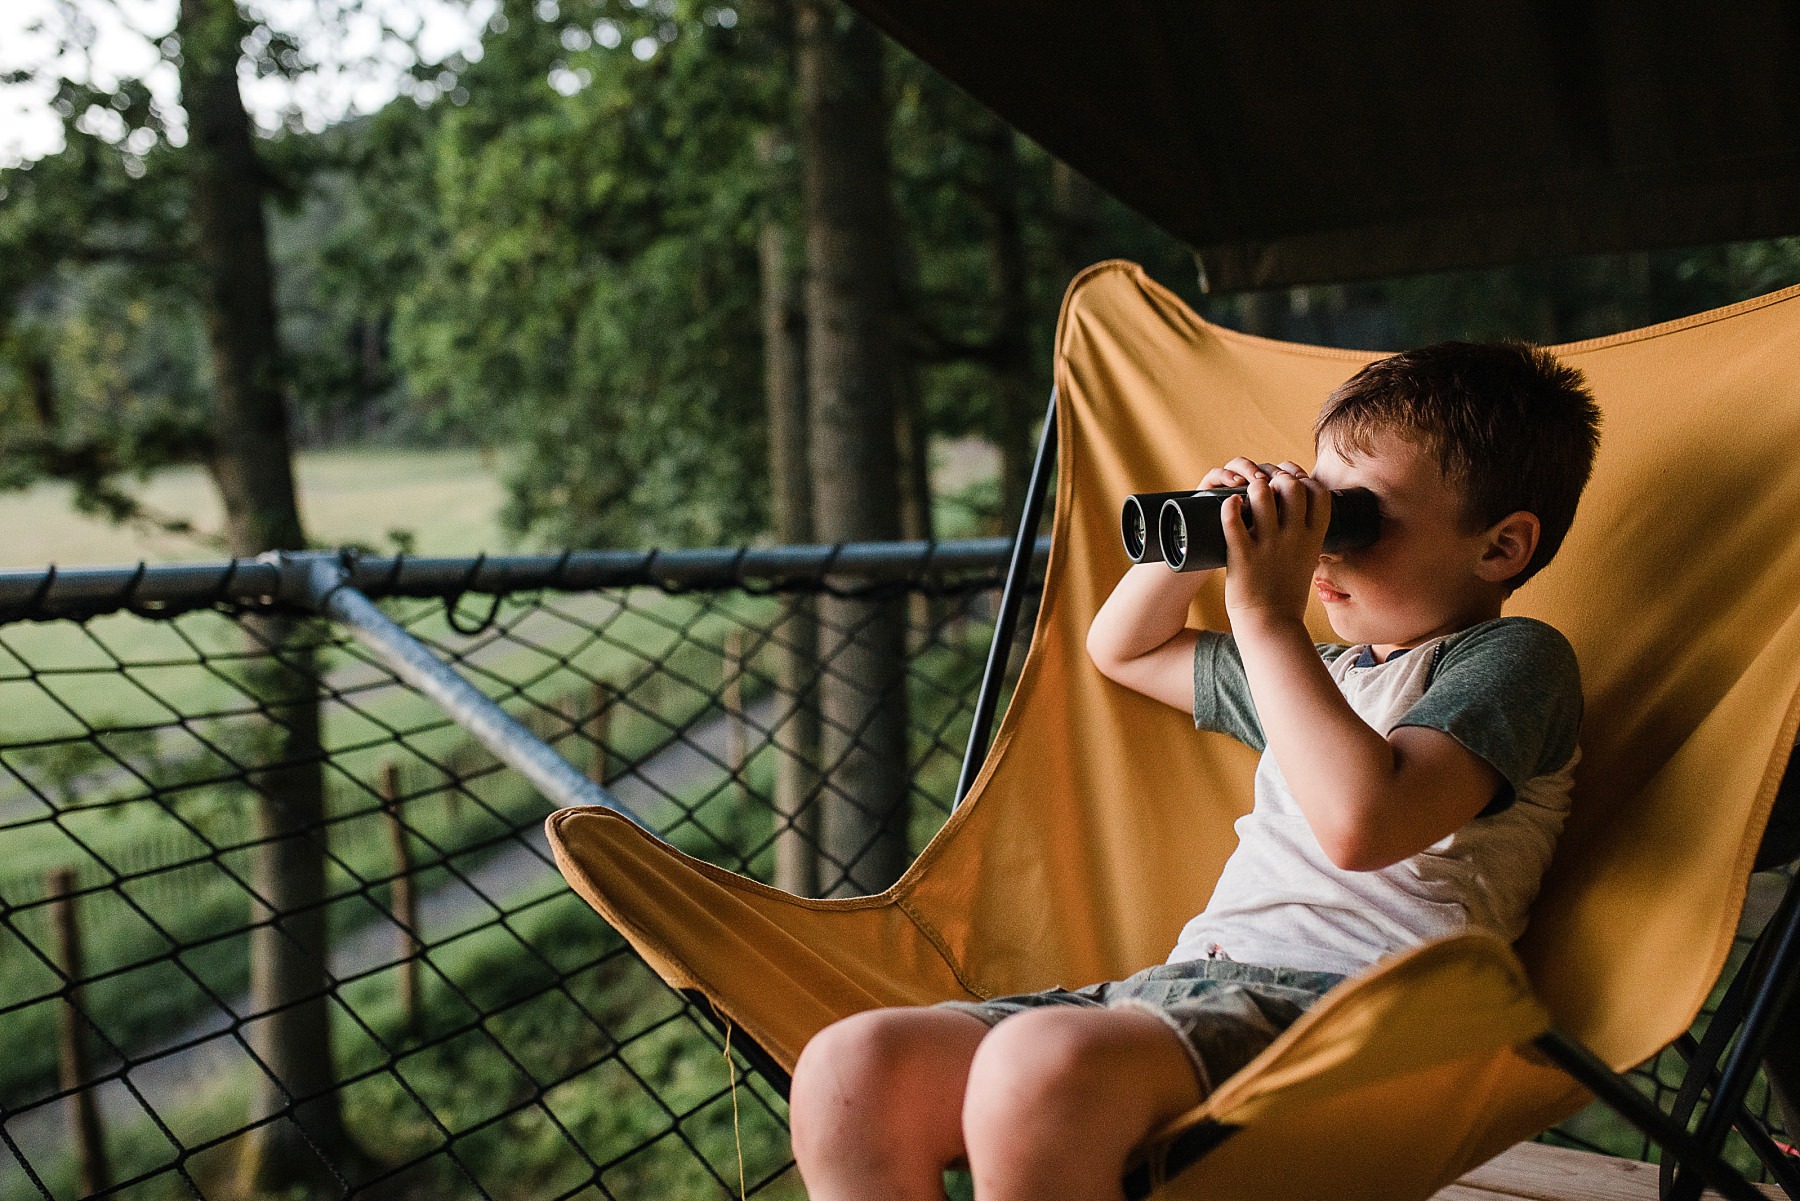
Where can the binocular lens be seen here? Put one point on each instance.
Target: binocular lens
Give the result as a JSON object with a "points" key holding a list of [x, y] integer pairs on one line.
{"points": [[1190, 538], [1134, 532], [1178, 544], [1137, 521]]}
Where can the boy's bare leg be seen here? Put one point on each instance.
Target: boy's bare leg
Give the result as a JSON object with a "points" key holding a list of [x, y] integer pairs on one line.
{"points": [[1057, 1099], [876, 1104]]}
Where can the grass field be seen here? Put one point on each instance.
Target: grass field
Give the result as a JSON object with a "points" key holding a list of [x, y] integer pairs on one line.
{"points": [[448, 500]]}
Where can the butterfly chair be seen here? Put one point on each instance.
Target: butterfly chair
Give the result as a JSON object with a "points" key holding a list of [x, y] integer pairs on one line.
{"points": [[1100, 819]]}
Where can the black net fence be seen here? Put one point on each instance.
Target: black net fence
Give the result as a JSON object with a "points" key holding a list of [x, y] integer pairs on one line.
{"points": [[272, 924]]}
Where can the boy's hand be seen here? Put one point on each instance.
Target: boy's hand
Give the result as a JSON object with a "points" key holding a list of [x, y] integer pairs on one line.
{"points": [[1239, 472], [1271, 556]]}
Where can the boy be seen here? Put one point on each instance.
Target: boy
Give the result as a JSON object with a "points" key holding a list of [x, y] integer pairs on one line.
{"points": [[1412, 785]]}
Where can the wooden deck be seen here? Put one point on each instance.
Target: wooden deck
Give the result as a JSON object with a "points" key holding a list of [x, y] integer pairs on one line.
{"points": [[1534, 1172]]}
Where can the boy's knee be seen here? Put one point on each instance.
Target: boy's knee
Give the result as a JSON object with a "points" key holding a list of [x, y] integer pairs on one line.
{"points": [[1045, 1073], [837, 1070], [1035, 1066], [867, 1048], [883, 1054], [874, 1074]]}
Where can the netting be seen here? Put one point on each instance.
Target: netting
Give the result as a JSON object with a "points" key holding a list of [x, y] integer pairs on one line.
{"points": [[270, 922]]}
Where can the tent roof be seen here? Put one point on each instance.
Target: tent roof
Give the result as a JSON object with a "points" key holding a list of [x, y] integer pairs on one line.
{"points": [[1293, 142]]}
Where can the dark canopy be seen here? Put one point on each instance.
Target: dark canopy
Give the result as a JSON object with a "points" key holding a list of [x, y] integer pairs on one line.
{"points": [[1294, 142]]}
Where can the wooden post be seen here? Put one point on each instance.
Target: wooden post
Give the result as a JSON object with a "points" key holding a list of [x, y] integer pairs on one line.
{"points": [[73, 1068], [599, 731], [458, 762], [406, 905], [796, 739], [571, 736], [732, 697]]}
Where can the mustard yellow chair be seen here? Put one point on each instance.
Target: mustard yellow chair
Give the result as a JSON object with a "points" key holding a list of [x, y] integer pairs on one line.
{"points": [[1100, 819]]}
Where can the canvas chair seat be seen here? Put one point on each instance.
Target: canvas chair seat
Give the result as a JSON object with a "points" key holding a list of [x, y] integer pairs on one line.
{"points": [[1101, 819]]}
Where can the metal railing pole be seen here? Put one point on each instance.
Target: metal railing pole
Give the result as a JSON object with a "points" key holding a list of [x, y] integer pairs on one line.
{"points": [[167, 589], [321, 582]]}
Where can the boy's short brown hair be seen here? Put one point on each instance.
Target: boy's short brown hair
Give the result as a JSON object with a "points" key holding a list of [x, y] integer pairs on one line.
{"points": [[1513, 428]]}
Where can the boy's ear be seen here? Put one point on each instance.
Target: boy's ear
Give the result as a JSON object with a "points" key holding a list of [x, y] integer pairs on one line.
{"points": [[1511, 542]]}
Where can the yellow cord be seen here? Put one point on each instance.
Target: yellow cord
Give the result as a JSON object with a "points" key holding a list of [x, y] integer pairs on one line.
{"points": [[737, 1131]]}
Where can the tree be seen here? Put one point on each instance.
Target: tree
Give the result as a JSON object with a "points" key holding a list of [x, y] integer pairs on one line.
{"points": [[251, 461], [785, 390], [181, 215], [590, 288], [852, 367], [797, 640]]}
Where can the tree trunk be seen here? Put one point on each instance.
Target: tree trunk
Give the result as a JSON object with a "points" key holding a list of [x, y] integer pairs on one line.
{"points": [[289, 965], [911, 433], [1015, 402], [252, 466], [1075, 207], [912, 439], [852, 362], [784, 385]]}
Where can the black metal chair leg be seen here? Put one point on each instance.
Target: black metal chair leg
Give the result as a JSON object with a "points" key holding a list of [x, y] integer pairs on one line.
{"points": [[1781, 1063], [1641, 1112], [1011, 600], [1755, 1007]]}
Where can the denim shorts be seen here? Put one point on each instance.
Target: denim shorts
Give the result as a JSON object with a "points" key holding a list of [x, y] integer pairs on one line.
{"points": [[1224, 1012]]}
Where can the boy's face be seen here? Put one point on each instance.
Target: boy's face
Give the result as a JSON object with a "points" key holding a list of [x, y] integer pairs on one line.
{"points": [[1420, 578]]}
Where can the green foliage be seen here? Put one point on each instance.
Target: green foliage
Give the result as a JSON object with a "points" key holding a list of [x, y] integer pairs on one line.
{"points": [[593, 290], [100, 366], [105, 369], [334, 300], [551, 248], [570, 257], [100, 381]]}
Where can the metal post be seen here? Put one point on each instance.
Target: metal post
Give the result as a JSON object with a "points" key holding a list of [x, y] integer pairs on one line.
{"points": [[1000, 651], [321, 582]]}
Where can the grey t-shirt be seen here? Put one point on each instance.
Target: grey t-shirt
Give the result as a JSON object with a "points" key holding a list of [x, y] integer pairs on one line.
{"points": [[1510, 691]]}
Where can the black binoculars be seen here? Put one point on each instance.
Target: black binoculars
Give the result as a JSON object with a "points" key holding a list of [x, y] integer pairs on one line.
{"points": [[1190, 538]]}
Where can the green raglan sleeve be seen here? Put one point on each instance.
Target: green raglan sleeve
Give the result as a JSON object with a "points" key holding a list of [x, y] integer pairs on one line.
{"points": [[1510, 691], [1222, 692]]}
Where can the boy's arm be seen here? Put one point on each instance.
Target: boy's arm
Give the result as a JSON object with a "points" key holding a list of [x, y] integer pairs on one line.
{"points": [[1140, 637], [1370, 800]]}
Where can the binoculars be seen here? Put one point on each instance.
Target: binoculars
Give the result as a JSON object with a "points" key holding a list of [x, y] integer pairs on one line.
{"points": [[1188, 536]]}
